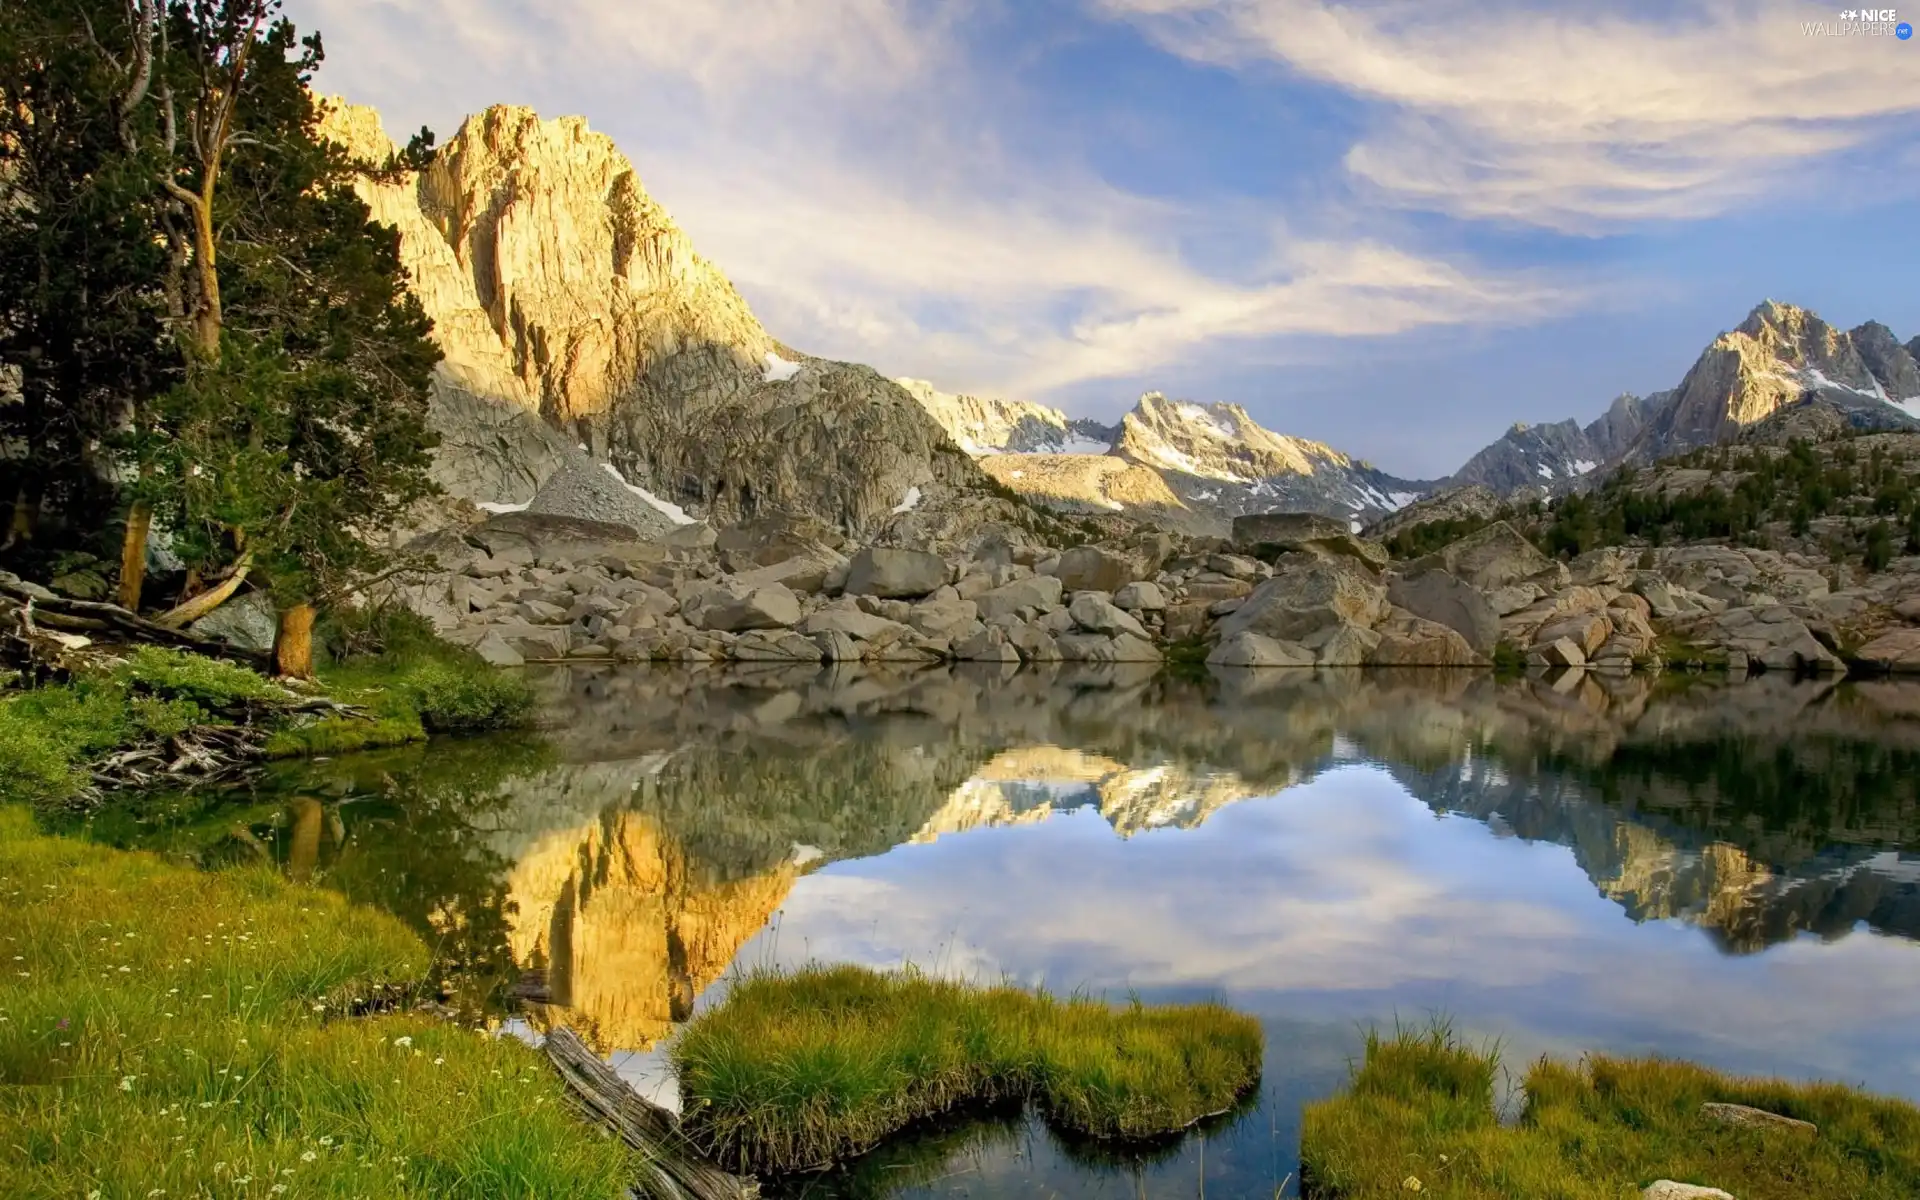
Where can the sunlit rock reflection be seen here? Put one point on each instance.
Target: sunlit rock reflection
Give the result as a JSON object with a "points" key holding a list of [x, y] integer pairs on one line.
{"points": [[669, 815]]}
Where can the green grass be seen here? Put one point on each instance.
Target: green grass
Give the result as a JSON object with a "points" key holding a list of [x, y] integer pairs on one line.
{"points": [[796, 1070], [166, 1031], [1421, 1108], [411, 683]]}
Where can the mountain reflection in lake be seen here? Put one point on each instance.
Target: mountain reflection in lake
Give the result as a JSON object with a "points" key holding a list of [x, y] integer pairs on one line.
{"points": [[1730, 873]]}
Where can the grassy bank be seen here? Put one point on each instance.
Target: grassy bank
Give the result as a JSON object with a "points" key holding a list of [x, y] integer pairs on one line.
{"points": [[794, 1071], [1421, 1108], [171, 1031], [172, 704]]}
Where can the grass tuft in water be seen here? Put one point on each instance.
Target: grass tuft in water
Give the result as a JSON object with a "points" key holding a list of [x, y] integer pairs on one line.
{"points": [[1421, 1108], [797, 1070], [167, 1031]]}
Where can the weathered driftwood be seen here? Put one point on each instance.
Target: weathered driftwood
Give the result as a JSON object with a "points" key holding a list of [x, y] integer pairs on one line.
{"points": [[54, 611], [675, 1169]]}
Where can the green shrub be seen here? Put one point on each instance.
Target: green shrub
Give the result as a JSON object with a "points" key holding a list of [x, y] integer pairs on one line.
{"points": [[35, 765], [1509, 659], [466, 695], [390, 631], [1879, 549], [185, 676]]}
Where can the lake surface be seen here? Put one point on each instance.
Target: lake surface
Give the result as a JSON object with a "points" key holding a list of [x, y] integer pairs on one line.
{"points": [[1729, 873]]}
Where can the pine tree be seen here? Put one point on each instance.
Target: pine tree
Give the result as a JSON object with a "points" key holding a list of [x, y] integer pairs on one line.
{"points": [[83, 339], [188, 282], [308, 431]]}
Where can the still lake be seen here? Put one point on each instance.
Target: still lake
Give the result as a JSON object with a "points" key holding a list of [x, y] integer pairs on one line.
{"points": [[1724, 872]]}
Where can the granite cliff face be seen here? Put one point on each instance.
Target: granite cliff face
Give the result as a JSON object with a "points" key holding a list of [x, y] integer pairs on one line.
{"points": [[575, 314]]}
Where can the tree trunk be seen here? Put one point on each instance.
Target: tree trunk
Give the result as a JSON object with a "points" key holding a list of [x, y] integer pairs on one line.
{"points": [[293, 648], [20, 524], [189, 611], [133, 555]]}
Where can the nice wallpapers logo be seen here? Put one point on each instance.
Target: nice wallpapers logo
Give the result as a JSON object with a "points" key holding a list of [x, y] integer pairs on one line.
{"points": [[1861, 22]]}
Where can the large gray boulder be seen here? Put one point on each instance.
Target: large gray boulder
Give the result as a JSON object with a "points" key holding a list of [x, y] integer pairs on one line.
{"points": [[1245, 649], [765, 541], [1311, 533], [769, 607], [1489, 558], [246, 622], [1295, 605], [1096, 615], [895, 574], [1407, 640], [777, 646], [1037, 593], [945, 618], [1437, 595], [805, 573], [1897, 651], [1284, 528], [1343, 645], [1095, 569], [1771, 636], [860, 626], [1143, 596]]}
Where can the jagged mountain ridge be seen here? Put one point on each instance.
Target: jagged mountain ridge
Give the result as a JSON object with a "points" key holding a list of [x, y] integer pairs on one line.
{"points": [[984, 425], [1548, 457], [1218, 456], [1780, 356], [575, 315], [1182, 464]]}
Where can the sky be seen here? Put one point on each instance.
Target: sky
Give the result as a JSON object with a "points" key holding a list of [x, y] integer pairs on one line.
{"points": [[1396, 226]]}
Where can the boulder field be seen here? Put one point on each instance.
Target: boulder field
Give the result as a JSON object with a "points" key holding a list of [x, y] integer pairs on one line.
{"points": [[520, 588]]}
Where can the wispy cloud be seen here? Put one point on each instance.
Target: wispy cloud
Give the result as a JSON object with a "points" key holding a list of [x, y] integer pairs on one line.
{"points": [[1575, 118], [834, 158]]}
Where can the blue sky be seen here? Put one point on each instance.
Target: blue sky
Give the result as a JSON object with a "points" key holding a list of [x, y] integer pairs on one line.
{"points": [[1395, 226]]}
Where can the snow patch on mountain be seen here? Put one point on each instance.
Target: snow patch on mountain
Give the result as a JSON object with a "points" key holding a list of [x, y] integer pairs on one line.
{"points": [[779, 370]]}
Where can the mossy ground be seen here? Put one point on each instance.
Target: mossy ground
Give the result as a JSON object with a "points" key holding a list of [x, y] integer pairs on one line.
{"points": [[410, 683], [1421, 1108], [167, 1031], [796, 1070]]}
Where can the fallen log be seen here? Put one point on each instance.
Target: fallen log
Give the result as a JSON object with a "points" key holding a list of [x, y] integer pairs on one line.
{"points": [[674, 1168]]}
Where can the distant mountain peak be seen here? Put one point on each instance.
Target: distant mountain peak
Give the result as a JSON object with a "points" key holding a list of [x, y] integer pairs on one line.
{"points": [[1215, 456], [1779, 356], [988, 425]]}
